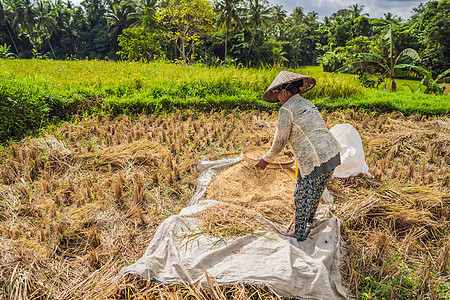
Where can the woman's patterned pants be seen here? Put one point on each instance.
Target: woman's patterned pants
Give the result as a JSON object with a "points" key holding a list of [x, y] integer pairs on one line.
{"points": [[307, 195]]}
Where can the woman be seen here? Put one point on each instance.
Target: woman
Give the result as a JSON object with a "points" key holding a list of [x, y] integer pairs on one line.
{"points": [[315, 149]]}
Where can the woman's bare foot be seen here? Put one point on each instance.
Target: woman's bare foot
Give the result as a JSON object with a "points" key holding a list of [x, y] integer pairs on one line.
{"points": [[290, 234]]}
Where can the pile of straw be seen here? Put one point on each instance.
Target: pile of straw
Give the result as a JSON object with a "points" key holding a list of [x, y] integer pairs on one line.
{"points": [[226, 220], [85, 199], [269, 192], [396, 225]]}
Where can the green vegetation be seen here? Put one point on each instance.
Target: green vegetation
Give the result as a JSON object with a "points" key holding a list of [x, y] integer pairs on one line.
{"points": [[406, 103], [369, 65], [200, 59], [34, 93], [429, 83], [249, 32], [387, 67]]}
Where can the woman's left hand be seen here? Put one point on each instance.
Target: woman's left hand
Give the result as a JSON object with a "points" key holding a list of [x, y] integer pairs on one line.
{"points": [[289, 153], [261, 163]]}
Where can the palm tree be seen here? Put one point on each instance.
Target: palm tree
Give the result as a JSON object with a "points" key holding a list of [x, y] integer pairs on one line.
{"points": [[229, 13], [24, 14], [70, 25], [119, 18], [45, 21], [279, 21], [5, 19], [60, 13], [392, 18], [310, 19], [297, 16], [389, 66], [278, 14], [144, 14], [258, 15], [356, 10], [342, 13], [95, 10]]}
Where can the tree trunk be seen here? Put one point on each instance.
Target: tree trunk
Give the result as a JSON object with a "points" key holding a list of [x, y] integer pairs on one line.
{"points": [[193, 51], [226, 43], [14, 43], [251, 42], [206, 55], [183, 50], [74, 45], [51, 48], [175, 49]]}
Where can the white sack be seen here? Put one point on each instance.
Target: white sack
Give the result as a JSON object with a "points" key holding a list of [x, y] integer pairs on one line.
{"points": [[309, 269], [352, 152]]}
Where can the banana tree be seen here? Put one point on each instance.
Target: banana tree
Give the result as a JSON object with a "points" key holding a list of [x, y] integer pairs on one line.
{"points": [[5, 53], [430, 84], [388, 67]]}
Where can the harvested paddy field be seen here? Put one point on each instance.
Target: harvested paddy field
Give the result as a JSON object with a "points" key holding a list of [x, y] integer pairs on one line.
{"points": [[85, 198]]}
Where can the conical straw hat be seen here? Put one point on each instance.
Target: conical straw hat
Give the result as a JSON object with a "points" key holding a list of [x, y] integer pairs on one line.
{"points": [[287, 77]]}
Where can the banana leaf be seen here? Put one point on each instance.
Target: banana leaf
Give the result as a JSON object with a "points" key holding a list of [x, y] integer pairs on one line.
{"points": [[388, 36], [411, 53], [442, 75], [406, 73], [372, 57], [367, 59], [416, 69], [349, 67]]}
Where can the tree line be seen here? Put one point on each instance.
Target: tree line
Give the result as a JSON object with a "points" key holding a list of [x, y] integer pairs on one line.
{"points": [[241, 32]]}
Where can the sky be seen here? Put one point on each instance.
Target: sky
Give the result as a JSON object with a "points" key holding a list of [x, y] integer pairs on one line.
{"points": [[375, 8]]}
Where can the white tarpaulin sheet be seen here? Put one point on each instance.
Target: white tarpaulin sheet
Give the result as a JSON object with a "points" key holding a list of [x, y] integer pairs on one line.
{"points": [[178, 253], [309, 269]]}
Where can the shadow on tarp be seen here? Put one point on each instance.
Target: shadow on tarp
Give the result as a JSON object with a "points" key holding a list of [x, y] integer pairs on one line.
{"points": [[178, 254]]}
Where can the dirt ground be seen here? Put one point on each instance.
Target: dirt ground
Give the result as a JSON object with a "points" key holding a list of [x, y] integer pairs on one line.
{"points": [[447, 87]]}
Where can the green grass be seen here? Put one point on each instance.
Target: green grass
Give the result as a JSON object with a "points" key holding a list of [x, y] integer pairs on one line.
{"points": [[406, 103], [406, 85], [34, 93], [124, 78]]}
